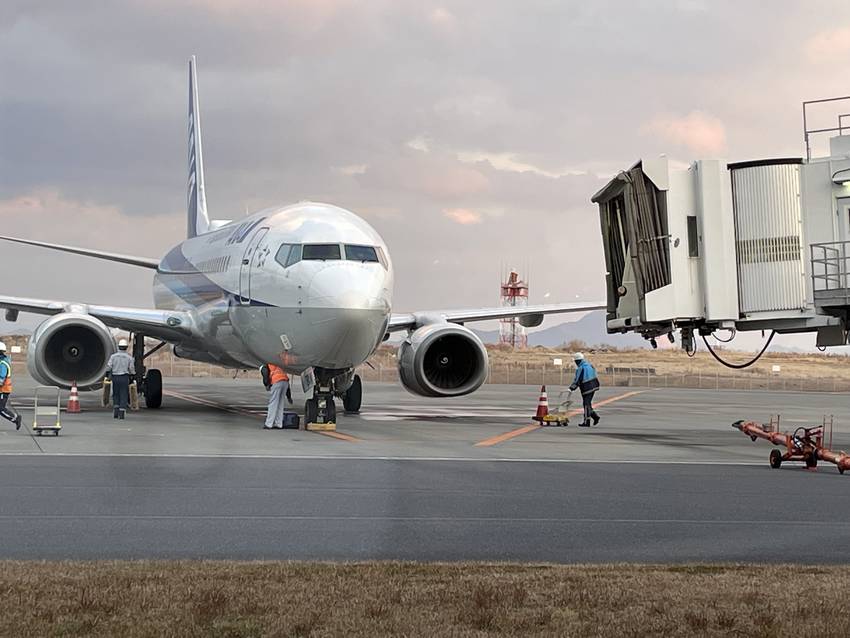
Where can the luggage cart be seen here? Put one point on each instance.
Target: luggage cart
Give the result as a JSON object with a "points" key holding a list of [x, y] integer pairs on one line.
{"points": [[50, 413], [561, 415]]}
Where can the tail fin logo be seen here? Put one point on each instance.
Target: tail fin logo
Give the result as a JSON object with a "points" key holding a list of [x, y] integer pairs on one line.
{"points": [[198, 221]]}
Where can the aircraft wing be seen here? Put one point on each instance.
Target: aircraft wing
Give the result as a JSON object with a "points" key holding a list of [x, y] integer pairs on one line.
{"points": [[144, 262], [168, 325], [534, 314]]}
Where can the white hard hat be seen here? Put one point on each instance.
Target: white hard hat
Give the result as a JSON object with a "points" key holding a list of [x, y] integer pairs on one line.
{"points": [[122, 343], [578, 356], [2, 347]]}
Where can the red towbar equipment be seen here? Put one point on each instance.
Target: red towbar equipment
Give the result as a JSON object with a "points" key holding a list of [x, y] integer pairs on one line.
{"points": [[804, 444]]}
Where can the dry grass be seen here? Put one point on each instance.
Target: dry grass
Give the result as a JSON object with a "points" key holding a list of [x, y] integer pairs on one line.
{"points": [[285, 599]]}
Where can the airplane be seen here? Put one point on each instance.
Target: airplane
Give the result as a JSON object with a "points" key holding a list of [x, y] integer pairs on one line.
{"points": [[308, 286]]}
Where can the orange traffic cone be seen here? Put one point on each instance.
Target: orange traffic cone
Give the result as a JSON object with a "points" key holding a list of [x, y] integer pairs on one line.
{"points": [[74, 400], [542, 405]]}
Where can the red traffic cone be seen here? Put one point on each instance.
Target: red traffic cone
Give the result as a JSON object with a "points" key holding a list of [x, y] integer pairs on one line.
{"points": [[74, 400], [542, 406]]}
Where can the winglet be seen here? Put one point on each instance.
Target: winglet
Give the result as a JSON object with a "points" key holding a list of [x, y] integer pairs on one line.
{"points": [[198, 222]]}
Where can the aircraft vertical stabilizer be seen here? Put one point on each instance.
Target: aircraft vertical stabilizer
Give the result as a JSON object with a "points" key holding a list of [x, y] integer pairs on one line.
{"points": [[197, 220]]}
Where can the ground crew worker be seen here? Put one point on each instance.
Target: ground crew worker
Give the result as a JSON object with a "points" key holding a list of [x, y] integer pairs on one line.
{"points": [[277, 383], [587, 381], [120, 369], [6, 388]]}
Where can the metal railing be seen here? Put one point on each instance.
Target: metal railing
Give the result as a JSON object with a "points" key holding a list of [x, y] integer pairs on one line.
{"points": [[808, 133], [831, 272]]}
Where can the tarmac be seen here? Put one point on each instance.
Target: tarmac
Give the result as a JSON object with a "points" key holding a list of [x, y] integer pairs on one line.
{"points": [[662, 478]]}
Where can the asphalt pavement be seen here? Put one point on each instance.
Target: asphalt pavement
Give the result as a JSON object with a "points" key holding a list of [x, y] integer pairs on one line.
{"points": [[663, 478]]}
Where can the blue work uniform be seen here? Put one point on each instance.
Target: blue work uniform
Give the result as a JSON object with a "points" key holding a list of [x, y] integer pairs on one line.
{"points": [[586, 381]]}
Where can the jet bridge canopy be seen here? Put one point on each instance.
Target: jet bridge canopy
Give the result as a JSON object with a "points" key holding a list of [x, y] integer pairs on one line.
{"points": [[633, 213]]}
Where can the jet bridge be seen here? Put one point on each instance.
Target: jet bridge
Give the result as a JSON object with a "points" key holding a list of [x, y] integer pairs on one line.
{"points": [[756, 245]]}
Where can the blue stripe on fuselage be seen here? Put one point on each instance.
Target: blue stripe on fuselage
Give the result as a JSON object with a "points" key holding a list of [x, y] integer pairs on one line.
{"points": [[194, 287]]}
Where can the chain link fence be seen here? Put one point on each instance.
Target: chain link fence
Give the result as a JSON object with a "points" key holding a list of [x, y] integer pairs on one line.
{"points": [[535, 375]]}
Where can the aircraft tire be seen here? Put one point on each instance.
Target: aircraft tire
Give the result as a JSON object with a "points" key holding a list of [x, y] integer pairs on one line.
{"points": [[353, 397], [311, 410], [153, 389]]}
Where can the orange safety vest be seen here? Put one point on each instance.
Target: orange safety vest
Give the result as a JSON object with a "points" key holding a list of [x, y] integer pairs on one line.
{"points": [[277, 374], [6, 388]]}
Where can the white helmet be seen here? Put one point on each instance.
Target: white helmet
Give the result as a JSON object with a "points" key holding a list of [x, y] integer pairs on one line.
{"points": [[2, 347], [578, 356], [122, 343]]}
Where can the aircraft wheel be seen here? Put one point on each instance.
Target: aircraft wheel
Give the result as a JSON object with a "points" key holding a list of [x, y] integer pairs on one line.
{"points": [[812, 460], [353, 397], [775, 459], [311, 410], [330, 410], [153, 389]]}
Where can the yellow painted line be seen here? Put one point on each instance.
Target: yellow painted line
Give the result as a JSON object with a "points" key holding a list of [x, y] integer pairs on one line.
{"points": [[234, 410], [507, 436], [340, 435]]}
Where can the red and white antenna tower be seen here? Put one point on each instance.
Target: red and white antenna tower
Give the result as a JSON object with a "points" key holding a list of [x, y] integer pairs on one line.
{"points": [[514, 293]]}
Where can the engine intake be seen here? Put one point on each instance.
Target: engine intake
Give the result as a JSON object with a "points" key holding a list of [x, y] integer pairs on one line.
{"points": [[442, 360], [70, 347]]}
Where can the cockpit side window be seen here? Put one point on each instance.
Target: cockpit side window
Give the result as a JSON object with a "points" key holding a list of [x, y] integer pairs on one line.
{"points": [[354, 252], [321, 252], [288, 254], [283, 254], [383, 258]]}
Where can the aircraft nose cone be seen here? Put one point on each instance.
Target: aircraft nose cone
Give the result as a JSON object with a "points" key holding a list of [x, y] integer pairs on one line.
{"points": [[351, 286], [351, 304]]}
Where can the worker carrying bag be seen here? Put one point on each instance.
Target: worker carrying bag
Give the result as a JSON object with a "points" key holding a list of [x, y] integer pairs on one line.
{"points": [[266, 374]]}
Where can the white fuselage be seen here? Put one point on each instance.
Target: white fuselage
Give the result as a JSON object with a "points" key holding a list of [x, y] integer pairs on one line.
{"points": [[323, 301]]}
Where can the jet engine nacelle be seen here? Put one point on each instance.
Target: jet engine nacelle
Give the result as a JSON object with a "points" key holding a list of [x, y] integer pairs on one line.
{"points": [[70, 347], [442, 360]]}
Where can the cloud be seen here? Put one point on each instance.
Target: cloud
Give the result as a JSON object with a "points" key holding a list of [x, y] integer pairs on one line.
{"points": [[49, 216], [700, 132], [463, 216], [513, 112], [826, 46], [443, 20]]}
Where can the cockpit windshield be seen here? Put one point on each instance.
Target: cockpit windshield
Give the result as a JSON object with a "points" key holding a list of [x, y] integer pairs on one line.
{"points": [[354, 252], [320, 252], [289, 254]]}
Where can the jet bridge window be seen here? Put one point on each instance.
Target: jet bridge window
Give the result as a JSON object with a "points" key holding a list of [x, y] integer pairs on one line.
{"points": [[360, 253], [321, 252]]}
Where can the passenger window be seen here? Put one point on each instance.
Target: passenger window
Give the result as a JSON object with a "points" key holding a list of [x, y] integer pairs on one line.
{"points": [[360, 253], [320, 252]]}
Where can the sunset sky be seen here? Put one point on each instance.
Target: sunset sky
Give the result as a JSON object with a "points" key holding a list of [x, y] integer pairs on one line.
{"points": [[471, 135]]}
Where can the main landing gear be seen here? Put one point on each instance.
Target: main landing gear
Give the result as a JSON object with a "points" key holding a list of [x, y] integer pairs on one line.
{"points": [[148, 382]]}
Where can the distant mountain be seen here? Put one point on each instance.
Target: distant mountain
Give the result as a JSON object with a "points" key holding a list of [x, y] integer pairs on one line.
{"points": [[590, 329]]}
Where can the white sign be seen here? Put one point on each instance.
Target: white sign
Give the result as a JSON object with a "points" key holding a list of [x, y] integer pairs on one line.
{"points": [[16, 349], [558, 362], [776, 369], [287, 344], [308, 380]]}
